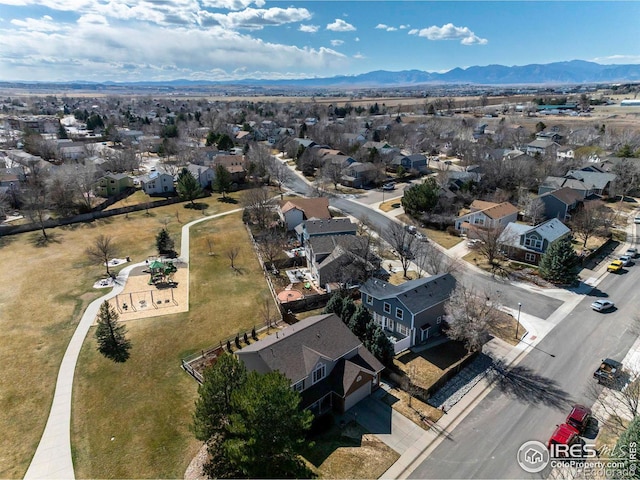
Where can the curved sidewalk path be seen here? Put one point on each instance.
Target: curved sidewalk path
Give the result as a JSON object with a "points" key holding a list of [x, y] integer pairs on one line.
{"points": [[53, 456]]}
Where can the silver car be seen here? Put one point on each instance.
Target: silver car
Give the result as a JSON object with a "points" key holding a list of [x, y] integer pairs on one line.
{"points": [[602, 305]]}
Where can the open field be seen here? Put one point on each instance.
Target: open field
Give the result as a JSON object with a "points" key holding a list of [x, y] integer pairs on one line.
{"points": [[44, 292], [147, 403]]}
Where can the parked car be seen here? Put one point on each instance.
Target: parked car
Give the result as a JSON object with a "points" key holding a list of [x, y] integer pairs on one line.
{"points": [[389, 186], [579, 417], [615, 266], [474, 243], [608, 371], [412, 229], [632, 252], [636, 220], [602, 305], [625, 259], [421, 237], [564, 435]]}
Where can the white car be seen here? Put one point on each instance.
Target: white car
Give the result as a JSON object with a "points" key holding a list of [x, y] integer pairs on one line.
{"points": [[626, 260], [632, 252], [474, 243], [602, 305], [636, 220]]}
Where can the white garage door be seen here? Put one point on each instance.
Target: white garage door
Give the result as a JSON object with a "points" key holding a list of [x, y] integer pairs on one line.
{"points": [[355, 397]]}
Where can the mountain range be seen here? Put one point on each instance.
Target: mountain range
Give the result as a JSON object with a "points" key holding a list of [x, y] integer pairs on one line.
{"points": [[571, 72], [559, 73]]}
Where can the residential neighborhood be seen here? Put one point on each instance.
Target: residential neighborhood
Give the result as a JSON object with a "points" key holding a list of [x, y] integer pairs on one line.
{"points": [[374, 278]]}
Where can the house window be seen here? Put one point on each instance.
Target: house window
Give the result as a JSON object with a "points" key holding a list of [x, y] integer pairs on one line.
{"points": [[390, 324], [399, 313], [319, 373], [478, 221], [403, 330], [530, 257], [369, 299], [533, 243], [299, 386], [387, 307]]}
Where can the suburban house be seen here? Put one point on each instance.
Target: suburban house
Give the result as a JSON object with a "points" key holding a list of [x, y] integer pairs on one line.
{"points": [[204, 174], [412, 313], [111, 184], [486, 215], [603, 183], [560, 203], [343, 259], [234, 164], [549, 135], [157, 183], [409, 162], [541, 146], [358, 174], [354, 138], [551, 183], [296, 210], [322, 359], [317, 228], [565, 153], [525, 243]]}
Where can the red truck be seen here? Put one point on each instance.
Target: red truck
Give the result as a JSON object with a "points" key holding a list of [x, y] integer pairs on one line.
{"points": [[563, 438], [579, 418]]}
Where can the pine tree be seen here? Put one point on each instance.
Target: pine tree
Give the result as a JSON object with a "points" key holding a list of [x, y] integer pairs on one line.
{"points": [[359, 320], [188, 186], [378, 344], [222, 183], [334, 305], [112, 342], [164, 243], [558, 264]]}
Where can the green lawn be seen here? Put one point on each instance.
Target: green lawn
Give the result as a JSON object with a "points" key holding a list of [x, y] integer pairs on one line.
{"points": [[147, 403], [44, 292]]}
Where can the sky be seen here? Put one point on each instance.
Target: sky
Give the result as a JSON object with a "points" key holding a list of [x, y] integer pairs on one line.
{"points": [[160, 40]]}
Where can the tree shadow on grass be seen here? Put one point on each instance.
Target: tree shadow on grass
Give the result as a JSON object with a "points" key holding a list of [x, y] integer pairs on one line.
{"points": [[196, 206], [40, 241], [524, 384], [227, 200], [7, 240]]}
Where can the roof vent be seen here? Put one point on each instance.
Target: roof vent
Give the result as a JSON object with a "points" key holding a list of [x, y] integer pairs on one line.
{"points": [[272, 353]]}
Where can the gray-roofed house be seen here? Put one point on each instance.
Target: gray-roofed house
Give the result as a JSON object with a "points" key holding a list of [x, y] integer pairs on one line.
{"points": [[409, 162], [603, 183], [340, 258], [332, 226], [157, 183], [541, 146], [322, 359], [411, 313], [525, 243], [204, 174], [560, 203], [551, 183], [358, 174]]}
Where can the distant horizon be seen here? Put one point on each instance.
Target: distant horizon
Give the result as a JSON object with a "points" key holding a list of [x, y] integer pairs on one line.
{"points": [[225, 40]]}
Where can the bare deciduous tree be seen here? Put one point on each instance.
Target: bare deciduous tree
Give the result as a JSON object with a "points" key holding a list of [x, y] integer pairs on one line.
{"points": [[430, 259], [586, 222], [271, 245], [403, 243], [102, 250], [470, 317], [489, 246], [232, 253], [256, 202]]}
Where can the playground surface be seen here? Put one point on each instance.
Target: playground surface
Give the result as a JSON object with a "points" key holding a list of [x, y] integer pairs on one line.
{"points": [[138, 299]]}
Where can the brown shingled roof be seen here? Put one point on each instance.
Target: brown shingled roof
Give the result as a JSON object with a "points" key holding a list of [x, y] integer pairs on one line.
{"points": [[501, 210], [312, 207]]}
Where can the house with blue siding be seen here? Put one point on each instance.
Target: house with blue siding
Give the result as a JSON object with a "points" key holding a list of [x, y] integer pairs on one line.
{"points": [[412, 313]]}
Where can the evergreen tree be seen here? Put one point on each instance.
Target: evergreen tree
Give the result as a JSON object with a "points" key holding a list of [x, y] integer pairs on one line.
{"points": [[266, 429], [222, 183], [334, 305], [62, 132], [164, 243], [348, 309], [225, 142], [378, 344], [359, 320], [112, 342], [628, 442], [558, 264], [188, 186], [422, 197]]}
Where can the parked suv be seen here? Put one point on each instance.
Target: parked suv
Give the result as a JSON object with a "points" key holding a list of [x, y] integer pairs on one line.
{"points": [[579, 417]]}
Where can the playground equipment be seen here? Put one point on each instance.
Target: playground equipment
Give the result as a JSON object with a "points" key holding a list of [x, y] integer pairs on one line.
{"points": [[161, 272]]}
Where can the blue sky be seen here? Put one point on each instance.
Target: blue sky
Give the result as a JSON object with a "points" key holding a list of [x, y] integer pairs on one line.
{"points": [[127, 40]]}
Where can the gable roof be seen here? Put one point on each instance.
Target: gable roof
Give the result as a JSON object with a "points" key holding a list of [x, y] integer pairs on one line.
{"points": [[317, 207], [565, 194], [416, 295], [295, 350], [598, 179], [332, 225], [550, 230], [492, 210], [559, 182]]}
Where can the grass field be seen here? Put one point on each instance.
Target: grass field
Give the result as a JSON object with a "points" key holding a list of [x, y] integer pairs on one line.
{"points": [[146, 403], [44, 292]]}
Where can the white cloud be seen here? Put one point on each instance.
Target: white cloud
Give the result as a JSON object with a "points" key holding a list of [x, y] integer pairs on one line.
{"points": [[617, 59], [340, 26], [256, 19], [309, 28], [357, 39], [382, 26], [231, 4], [450, 32], [336, 43], [161, 52], [359, 56], [93, 18], [404, 27], [43, 24]]}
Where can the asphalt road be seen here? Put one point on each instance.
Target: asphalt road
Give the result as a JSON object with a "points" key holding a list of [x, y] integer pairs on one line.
{"points": [[537, 395]]}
